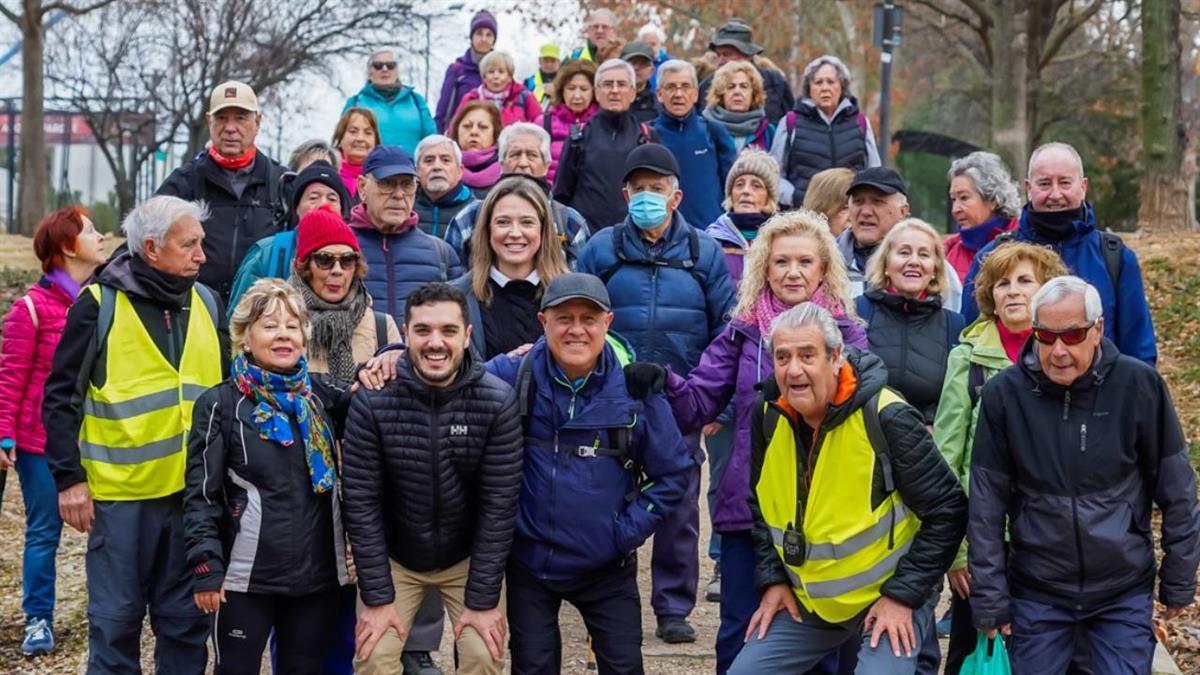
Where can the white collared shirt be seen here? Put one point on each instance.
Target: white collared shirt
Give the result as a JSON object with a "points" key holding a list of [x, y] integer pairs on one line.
{"points": [[502, 281]]}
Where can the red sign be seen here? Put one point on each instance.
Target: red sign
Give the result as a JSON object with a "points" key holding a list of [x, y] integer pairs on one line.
{"points": [[73, 128]]}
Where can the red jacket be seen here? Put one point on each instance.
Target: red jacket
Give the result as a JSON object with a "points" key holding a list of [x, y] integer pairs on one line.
{"points": [[520, 105], [960, 257], [26, 353]]}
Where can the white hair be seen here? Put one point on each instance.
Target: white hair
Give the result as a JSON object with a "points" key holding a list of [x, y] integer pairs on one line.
{"points": [[652, 29], [678, 66], [991, 179], [810, 314], [1055, 146], [1058, 289], [614, 64], [153, 218], [377, 52], [606, 13], [504, 58], [524, 129], [843, 73], [434, 140]]}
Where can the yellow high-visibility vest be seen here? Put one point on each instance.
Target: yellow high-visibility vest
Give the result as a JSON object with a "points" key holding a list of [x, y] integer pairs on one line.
{"points": [[133, 440], [850, 548]]}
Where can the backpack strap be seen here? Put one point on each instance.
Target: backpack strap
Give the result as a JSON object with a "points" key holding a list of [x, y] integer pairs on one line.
{"points": [[106, 306], [644, 134], [690, 264], [879, 441], [975, 379], [381, 336], [524, 390], [209, 300], [1004, 238], [790, 121], [1113, 249], [228, 404], [546, 122], [281, 254]]}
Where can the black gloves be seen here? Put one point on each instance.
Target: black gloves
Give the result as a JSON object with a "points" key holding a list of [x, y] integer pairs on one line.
{"points": [[644, 379]]}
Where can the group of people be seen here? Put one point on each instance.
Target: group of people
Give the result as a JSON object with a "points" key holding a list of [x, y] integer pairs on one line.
{"points": [[467, 363]]}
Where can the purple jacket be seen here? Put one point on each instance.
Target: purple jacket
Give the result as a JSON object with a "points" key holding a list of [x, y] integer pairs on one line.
{"points": [[461, 77], [733, 243], [730, 368]]}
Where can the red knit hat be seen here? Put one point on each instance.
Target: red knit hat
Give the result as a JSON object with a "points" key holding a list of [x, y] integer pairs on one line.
{"points": [[321, 227]]}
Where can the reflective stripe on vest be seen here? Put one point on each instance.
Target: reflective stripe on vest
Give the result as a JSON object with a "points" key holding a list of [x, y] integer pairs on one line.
{"points": [[133, 439], [851, 549]]}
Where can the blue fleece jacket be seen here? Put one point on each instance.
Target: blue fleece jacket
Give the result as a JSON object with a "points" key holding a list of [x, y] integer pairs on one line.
{"points": [[403, 121], [705, 154]]}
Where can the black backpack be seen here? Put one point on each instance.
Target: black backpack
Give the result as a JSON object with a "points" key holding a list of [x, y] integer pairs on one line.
{"points": [[1111, 246]]}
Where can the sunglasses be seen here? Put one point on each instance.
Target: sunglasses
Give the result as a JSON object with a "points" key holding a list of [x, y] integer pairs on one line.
{"points": [[383, 65], [1070, 336], [325, 261]]}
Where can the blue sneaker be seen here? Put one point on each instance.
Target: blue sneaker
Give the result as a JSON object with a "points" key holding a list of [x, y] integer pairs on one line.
{"points": [[39, 638]]}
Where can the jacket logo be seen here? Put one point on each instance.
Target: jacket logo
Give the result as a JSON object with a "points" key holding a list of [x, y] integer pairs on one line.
{"points": [[702, 151], [230, 92], [458, 430]]}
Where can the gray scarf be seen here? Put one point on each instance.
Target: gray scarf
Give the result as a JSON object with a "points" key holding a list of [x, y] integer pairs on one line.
{"points": [[333, 325], [736, 123]]}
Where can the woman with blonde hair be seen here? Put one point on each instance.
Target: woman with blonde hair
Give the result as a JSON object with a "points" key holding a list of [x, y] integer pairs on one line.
{"points": [[515, 252], [827, 195], [737, 101], [907, 326]]}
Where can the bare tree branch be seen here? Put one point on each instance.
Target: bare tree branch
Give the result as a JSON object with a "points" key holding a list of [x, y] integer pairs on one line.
{"points": [[74, 10], [1064, 27], [9, 14]]}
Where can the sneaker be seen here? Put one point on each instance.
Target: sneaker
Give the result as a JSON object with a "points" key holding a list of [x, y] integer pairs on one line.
{"points": [[712, 592], [419, 663], [39, 638], [674, 630]]}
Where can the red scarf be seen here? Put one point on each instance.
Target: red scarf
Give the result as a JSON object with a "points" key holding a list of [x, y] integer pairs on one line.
{"points": [[233, 163]]}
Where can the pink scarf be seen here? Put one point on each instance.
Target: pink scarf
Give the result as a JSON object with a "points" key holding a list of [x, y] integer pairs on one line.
{"points": [[498, 98], [769, 307], [350, 173], [480, 168]]}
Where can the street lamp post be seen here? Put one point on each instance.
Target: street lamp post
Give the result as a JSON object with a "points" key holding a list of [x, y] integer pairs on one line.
{"points": [[887, 35], [428, 19]]}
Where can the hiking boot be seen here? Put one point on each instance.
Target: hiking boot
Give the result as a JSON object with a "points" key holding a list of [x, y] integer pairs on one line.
{"points": [[712, 592], [674, 630], [39, 638], [419, 663]]}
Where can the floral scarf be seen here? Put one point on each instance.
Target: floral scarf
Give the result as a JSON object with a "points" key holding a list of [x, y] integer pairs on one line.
{"points": [[278, 396]]}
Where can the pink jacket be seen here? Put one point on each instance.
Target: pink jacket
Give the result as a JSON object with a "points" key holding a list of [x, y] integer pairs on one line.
{"points": [[520, 105], [558, 122], [26, 353]]}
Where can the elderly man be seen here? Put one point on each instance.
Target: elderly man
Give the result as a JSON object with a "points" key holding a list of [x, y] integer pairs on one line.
{"points": [[402, 114], [139, 347], [399, 256], [705, 151], [601, 473], [441, 194], [1059, 216], [541, 83], [671, 292], [654, 37], [641, 57], [524, 151], [856, 514], [734, 41], [590, 171], [602, 40], [1074, 443], [240, 185]]}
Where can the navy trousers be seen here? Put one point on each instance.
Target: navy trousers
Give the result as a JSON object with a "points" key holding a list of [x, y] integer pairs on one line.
{"points": [[675, 559], [1120, 634]]}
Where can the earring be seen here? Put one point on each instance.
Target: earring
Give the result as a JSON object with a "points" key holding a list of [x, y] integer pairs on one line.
{"points": [[246, 348]]}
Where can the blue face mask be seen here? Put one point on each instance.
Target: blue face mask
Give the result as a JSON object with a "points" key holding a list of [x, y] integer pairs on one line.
{"points": [[648, 209]]}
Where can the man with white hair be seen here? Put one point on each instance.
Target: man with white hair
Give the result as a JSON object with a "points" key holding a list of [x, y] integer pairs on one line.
{"points": [[1074, 444], [656, 39], [140, 345], [1058, 215], [441, 192], [602, 40], [705, 151], [591, 168], [524, 150], [402, 114]]}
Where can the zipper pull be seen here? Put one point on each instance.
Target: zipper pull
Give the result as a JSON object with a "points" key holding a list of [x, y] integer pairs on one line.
{"points": [[1083, 438], [167, 317]]}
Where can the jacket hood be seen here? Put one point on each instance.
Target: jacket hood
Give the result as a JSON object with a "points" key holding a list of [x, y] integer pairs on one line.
{"points": [[470, 371], [1102, 365], [118, 273], [904, 304], [368, 91], [460, 195], [723, 230], [1082, 227], [465, 61], [870, 374], [986, 348]]}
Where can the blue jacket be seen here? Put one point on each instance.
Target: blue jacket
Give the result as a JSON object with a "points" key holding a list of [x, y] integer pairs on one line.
{"points": [[705, 153], [574, 516], [1127, 319], [403, 121], [669, 314]]}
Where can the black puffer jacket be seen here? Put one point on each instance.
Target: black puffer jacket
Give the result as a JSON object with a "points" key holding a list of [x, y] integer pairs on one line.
{"points": [[914, 339], [925, 482], [432, 476], [593, 164], [251, 520], [1072, 471]]}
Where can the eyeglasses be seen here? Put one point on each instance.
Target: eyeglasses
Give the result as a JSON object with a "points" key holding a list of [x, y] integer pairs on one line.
{"points": [[391, 184], [1070, 336], [614, 84], [383, 65], [677, 86], [325, 261]]}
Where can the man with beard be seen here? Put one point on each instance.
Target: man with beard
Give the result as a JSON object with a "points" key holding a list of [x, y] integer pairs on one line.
{"points": [[524, 151], [446, 435], [441, 194]]}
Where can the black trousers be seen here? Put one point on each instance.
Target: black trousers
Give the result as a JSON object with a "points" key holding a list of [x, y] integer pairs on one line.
{"points": [[304, 630], [609, 603]]}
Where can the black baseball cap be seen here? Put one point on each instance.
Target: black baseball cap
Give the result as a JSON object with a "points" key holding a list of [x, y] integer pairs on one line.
{"points": [[386, 161], [576, 286], [881, 178], [652, 157]]}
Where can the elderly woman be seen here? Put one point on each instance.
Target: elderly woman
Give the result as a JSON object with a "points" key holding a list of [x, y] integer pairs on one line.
{"points": [[476, 129], [515, 102], [984, 202], [1007, 282], [70, 249], [515, 252], [827, 195], [261, 521], [402, 114], [328, 272], [573, 104], [737, 101], [463, 74], [906, 324], [793, 259], [356, 135], [313, 150], [751, 197], [825, 130]]}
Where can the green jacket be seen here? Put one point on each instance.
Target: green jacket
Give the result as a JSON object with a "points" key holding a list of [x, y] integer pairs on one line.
{"points": [[954, 424]]}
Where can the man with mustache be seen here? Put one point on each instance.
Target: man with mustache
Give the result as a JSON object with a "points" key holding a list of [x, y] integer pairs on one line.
{"points": [[431, 480], [441, 194]]}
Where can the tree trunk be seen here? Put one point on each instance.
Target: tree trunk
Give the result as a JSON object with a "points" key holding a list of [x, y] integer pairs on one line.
{"points": [[1010, 127], [1163, 204], [34, 170]]}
